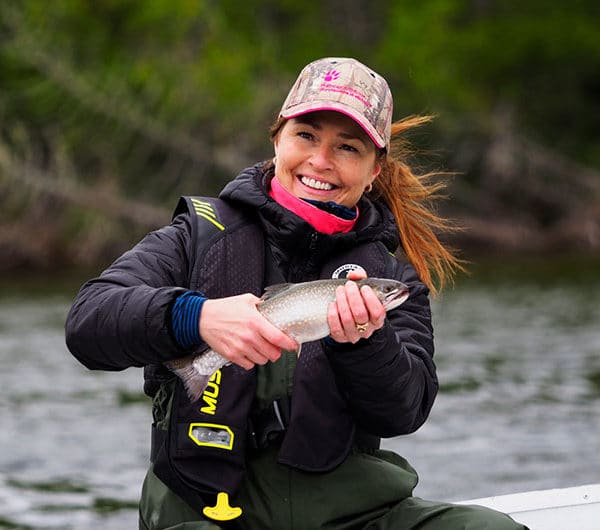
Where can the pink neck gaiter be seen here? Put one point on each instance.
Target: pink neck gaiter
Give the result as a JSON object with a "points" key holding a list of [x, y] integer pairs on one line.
{"points": [[320, 220]]}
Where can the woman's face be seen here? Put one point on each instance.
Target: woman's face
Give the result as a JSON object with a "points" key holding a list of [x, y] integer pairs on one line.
{"points": [[325, 156]]}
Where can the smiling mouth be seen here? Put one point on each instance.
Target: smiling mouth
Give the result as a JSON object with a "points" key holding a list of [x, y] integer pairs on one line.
{"points": [[316, 184]]}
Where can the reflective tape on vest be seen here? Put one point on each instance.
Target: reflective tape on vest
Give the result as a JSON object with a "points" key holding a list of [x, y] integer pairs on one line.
{"points": [[211, 435]]}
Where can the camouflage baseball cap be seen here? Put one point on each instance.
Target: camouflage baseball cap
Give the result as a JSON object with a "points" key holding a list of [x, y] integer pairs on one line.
{"points": [[347, 86]]}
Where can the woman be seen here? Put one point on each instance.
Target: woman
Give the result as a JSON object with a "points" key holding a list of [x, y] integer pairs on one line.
{"points": [[276, 442]]}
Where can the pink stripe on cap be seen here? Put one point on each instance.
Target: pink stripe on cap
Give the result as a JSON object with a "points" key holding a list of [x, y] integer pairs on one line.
{"points": [[366, 126]]}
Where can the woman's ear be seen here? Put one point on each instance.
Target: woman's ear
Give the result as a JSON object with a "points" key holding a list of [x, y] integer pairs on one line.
{"points": [[376, 170]]}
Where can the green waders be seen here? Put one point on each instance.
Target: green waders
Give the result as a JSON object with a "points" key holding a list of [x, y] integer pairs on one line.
{"points": [[367, 491]]}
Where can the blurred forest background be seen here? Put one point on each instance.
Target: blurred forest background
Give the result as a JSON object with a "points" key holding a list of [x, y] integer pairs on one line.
{"points": [[111, 109]]}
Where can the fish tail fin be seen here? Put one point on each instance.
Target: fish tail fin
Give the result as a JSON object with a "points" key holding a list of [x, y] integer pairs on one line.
{"points": [[193, 382], [195, 385]]}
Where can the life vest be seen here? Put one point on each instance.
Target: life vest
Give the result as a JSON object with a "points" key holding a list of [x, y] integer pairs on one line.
{"points": [[203, 451]]}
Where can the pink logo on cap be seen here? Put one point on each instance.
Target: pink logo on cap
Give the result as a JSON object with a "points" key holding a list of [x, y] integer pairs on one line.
{"points": [[332, 75]]}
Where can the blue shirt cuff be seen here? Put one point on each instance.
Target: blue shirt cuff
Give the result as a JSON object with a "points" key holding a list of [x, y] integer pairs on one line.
{"points": [[185, 319]]}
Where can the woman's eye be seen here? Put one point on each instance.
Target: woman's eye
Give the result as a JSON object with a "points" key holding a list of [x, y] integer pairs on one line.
{"points": [[306, 135], [348, 147]]}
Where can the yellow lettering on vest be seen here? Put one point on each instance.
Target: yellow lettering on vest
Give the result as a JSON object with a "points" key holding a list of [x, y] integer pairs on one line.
{"points": [[211, 393], [211, 405], [211, 390]]}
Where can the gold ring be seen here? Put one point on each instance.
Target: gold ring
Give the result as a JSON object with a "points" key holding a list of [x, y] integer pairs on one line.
{"points": [[361, 328]]}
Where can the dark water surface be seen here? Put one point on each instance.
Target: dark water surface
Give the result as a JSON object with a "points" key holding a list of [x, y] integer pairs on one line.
{"points": [[518, 354]]}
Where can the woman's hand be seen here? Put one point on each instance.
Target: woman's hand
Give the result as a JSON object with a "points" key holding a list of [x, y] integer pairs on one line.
{"points": [[356, 313], [235, 329]]}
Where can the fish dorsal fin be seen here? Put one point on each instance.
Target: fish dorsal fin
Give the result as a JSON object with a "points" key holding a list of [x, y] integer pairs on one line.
{"points": [[273, 290]]}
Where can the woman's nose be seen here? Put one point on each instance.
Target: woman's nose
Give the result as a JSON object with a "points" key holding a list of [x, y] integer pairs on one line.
{"points": [[321, 158]]}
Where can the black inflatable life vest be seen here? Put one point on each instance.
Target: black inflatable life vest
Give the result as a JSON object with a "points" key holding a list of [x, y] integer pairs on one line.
{"points": [[203, 452]]}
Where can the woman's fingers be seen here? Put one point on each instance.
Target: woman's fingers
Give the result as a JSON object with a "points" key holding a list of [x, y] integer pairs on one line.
{"points": [[235, 329], [374, 306], [356, 313]]}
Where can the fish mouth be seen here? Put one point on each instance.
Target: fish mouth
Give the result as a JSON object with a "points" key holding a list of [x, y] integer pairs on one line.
{"points": [[395, 297]]}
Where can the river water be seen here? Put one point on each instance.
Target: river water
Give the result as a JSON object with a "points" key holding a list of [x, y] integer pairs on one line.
{"points": [[518, 355]]}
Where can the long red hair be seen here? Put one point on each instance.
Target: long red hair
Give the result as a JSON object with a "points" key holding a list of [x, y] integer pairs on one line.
{"points": [[411, 199]]}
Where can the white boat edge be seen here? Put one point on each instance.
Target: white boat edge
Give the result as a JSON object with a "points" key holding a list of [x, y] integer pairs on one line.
{"points": [[576, 508]]}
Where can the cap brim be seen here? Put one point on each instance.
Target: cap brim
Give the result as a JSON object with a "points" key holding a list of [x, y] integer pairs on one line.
{"points": [[305, 108]]}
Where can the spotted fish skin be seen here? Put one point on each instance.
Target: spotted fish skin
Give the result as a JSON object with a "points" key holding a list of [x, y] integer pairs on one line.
{"points": [[298, 309]]}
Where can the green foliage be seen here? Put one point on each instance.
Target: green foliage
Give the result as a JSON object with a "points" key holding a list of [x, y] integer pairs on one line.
{"points": [[467, 57], [150, 100]]}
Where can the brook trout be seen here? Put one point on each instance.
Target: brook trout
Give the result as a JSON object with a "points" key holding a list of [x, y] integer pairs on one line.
{"points": [[298, 309]]}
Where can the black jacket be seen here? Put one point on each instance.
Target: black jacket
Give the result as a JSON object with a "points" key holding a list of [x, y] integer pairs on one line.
{"points": [[121, 319]]}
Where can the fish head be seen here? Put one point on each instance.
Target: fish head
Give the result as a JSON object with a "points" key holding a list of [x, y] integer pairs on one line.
{"points": [[391, 293]]}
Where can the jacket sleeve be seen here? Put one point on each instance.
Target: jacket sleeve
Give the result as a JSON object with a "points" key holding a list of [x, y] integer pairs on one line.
{"points": [[119, 319], [389, 379]]}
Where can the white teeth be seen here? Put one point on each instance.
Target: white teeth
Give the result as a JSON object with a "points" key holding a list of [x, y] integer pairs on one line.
{"points": [[312, 183]]}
